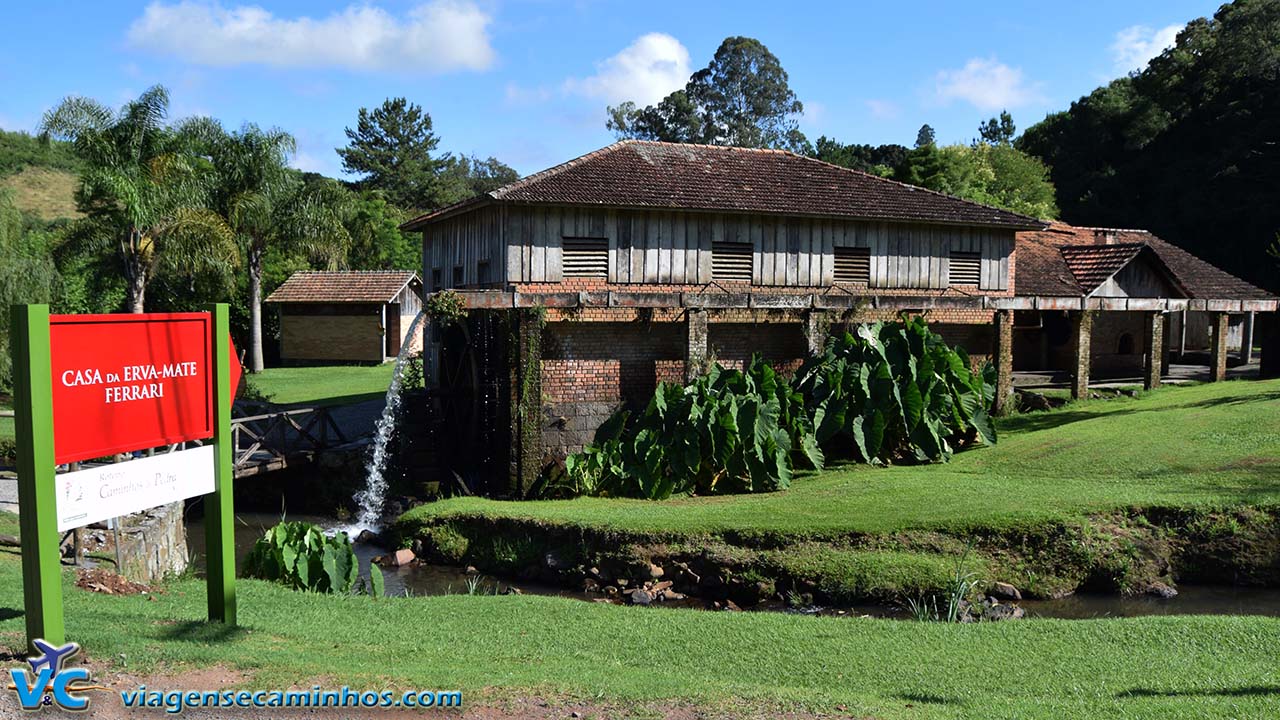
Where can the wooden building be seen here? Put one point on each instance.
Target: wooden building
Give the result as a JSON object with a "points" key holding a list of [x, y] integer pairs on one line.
{"points": [[349, 316], [642, 261]]}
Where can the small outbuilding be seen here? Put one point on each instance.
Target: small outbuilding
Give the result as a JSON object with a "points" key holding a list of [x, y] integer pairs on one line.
{"points": [[347, 316]]}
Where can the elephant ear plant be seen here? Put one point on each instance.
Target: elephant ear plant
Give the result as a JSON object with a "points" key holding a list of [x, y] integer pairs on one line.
{"points": [[301, 555], [728, 431], [896, 392]]}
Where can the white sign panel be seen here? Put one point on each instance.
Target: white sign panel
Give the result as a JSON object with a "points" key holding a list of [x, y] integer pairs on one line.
{"points": [[107, 491]]}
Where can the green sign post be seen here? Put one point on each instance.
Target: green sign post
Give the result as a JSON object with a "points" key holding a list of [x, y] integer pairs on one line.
{"points": [[37, 502], [219, 528], [34, 412]]}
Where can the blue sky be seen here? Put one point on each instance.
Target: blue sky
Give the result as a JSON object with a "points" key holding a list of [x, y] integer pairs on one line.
{"points": [[528, 80]]}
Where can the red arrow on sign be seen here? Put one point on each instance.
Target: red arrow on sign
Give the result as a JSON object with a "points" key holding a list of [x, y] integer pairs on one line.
{"points": [[236, 370]]}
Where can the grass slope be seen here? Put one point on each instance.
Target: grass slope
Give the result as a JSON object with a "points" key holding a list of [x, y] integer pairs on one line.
{"points": [[48, 193], [494, 647], [324, 385], [1212, 445]]}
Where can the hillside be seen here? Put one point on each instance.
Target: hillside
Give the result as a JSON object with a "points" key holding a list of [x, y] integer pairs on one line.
{"points": [[42, 177], [48, 193]]}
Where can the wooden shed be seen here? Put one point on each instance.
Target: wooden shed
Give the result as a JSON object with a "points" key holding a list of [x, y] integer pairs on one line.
{"points": [[347, 316]]}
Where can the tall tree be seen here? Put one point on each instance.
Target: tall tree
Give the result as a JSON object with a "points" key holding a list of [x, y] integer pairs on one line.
{"points": [[392, 148], [265, 203], [376, 240], [998, 131], [741, 98], [925, 136], [143, 190], [996, 175]]}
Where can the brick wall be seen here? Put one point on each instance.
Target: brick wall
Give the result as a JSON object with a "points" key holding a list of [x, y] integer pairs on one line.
{"points": [[353, 338], [781, 344], [597, 360]]}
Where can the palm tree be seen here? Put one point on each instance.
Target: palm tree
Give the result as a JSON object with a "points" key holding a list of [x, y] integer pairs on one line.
{"points": [[267, 205], [143, 191]]}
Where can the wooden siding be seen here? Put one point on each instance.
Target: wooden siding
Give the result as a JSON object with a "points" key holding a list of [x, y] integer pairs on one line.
{"points": [[659, 247], [464, 241]]}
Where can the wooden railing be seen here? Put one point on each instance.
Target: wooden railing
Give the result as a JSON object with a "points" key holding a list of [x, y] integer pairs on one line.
{"points": [[270, 437]]}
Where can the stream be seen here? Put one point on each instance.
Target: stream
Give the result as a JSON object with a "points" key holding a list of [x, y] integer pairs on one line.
{"points": [[420, 579]]}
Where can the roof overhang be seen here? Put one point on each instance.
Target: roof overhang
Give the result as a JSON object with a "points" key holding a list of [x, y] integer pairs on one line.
{"points": [[507, 300], [422, 221]]}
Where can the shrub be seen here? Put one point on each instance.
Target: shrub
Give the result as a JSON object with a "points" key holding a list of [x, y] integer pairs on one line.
{"points": [[300, 555], [893, 392], [896, 392], [726, 432]]}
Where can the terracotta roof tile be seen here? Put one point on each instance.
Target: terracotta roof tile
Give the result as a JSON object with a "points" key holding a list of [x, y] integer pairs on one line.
{"points": [[1064, 260], [1092, 265], [645, 174], [347, 286]]}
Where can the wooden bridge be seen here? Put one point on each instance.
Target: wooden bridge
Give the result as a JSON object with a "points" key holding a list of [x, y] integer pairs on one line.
{"points": [[272, 437]]}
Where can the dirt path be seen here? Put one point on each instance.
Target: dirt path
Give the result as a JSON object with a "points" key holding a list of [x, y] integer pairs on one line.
{"points": [[106, 704]]}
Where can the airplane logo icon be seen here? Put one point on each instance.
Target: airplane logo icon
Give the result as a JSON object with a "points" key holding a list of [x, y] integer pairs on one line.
{"points": [[52, 657]]}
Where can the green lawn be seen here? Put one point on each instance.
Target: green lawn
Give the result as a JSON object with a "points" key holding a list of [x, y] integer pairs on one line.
{"points": [[1207, 445], [641, 659], [324, 385]]}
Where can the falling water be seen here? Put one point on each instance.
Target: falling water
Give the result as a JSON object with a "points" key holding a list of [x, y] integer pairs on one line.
{"points": [[375, 491]]}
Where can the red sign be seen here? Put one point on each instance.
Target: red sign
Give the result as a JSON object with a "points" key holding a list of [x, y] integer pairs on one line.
{"points": [[128, 382]]}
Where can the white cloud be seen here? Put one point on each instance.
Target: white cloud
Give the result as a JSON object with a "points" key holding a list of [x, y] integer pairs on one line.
{"points": [[307, 162], [645, 71], [1134, 46], [883, 109], [433, 37], [987, 84]]}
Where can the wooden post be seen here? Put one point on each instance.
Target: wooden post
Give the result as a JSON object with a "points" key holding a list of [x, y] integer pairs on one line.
{"points": [[1154, 341], [1218, 347], [1246, 339], [219, 509], [1081, 334], [37, 502], [1004, 361]]}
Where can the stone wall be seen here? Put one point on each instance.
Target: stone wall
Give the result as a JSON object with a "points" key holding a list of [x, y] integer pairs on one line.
{"points": [[153, 544]]}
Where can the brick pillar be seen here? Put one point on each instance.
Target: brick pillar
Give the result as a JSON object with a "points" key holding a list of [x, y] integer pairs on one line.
{"points": [[1218, 347], [817, 326], [1081, 335], [695, 349], [1154, 361], [1268, 330], [1003, 354]]}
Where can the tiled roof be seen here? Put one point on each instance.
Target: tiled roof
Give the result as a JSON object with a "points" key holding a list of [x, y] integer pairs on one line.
{"points": [[1092, 265], [646, 174], [1064, 260], [347, 286]]}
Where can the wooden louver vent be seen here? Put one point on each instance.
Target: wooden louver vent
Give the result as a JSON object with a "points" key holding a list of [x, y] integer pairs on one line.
{"points": [[965, 268], [585, 258], [853, 265], [731, 261]]}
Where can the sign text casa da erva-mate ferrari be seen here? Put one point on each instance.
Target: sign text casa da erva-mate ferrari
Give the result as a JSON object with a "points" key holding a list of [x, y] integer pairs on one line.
{"points": [[97, 388]]}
